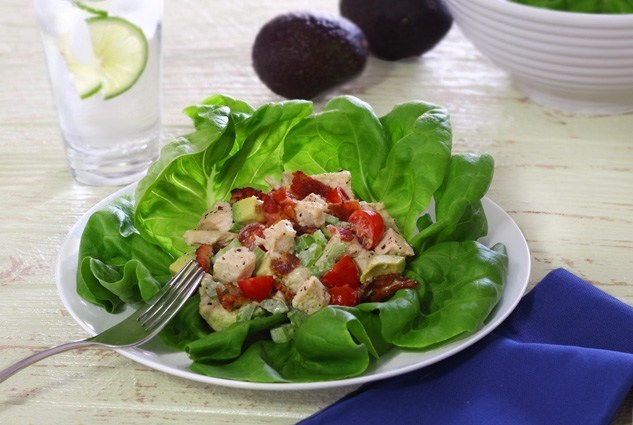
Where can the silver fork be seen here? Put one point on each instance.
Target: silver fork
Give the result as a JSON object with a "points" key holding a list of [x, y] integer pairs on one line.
{"points": [[136, 329]]}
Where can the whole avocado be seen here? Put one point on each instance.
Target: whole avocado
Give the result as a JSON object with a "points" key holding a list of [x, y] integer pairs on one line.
{"points": [[301, 55], [399, 29]]}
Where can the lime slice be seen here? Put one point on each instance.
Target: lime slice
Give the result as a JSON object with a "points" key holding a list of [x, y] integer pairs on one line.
{"points": [[86, 77], [120, 49], [83, 6]]}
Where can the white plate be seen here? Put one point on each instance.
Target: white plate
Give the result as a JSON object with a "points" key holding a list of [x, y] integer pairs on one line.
{"points": [[160, 357]]}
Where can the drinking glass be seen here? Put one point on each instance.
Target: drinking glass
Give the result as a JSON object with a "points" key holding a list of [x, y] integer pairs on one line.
{"points": [[104, 60]]}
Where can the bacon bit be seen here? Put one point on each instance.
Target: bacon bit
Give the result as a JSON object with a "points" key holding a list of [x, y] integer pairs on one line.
{"points": [[285, 264], [345, 233], [249, 234], [287, 293], [289, 211], [344, 209], [278, 206], [383, 287], [280, 195], [270, 206], [337, 195], [272, 210], [203, 256], [302, 185], [245, 192], [233, 298], [302, 230]]}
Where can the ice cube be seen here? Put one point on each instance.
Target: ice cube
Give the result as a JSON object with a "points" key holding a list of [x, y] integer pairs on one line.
{"points": [[78, 41], [57, 17], [146, 14]]}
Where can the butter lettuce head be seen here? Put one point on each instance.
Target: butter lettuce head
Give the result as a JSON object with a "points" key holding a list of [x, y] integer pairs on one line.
{"points": [[402, 159]]}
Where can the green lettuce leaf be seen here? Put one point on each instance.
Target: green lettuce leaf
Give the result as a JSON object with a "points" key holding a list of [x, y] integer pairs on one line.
{"points": [[330, 344], [458, 209], [347, 135], [186, 326], [205, 113], [399, 159], [230, 149], [465, 282], [260, 138], [116, 264], [420, 139], [178, 187]]}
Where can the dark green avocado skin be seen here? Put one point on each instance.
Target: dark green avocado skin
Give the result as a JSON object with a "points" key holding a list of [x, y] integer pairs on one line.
{"points": [[398, 29], [301, 55]]}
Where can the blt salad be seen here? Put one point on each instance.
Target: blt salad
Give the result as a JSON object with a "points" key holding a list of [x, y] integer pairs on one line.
{"points": [[305, 244]]}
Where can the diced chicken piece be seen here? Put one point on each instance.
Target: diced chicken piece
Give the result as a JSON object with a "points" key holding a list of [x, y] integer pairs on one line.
{"points": [[379, 207], [208, 237], [342, 179], [393, 243], [296, 278], [310, 213], [313, 197], [235, 264], [280, 237], [311, 297], [219, 217]]}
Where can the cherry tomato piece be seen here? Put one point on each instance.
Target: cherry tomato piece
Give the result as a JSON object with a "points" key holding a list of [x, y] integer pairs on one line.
{"points": [[343, 295], [368, 227], [257, 288], [344, 273]]}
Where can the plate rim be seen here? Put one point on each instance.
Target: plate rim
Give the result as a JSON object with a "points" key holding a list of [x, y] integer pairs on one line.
{"points": [[70, 245]]}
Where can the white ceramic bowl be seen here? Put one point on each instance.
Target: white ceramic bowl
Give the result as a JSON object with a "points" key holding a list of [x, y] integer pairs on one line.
{"points": [[575, 62]]}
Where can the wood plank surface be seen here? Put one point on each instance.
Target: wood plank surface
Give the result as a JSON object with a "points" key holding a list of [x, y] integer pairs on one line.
{"points": [[566, 180]]}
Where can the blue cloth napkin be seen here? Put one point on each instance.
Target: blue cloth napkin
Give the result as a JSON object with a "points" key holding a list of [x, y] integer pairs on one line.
{"points": [[564, 356]]}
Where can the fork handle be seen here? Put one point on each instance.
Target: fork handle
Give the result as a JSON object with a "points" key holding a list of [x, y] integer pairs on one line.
{"points": [[6, 373]]}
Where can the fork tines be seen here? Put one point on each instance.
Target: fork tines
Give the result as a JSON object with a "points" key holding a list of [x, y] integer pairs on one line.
{"points": [[174, 294]]}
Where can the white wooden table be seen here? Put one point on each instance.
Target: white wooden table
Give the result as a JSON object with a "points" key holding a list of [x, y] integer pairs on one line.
{"points": [[566, 180]]}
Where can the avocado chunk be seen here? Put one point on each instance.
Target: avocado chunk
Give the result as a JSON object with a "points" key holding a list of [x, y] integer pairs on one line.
{"points": [[399, 29], [248, 210], [181, 261], [301, 55], [264, 268], [217, 317], [383, 264]]}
